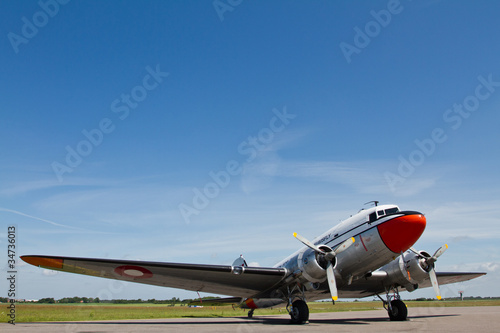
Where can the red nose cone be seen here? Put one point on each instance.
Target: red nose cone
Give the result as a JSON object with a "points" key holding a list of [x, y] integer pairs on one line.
{"points": [[400, 233]]}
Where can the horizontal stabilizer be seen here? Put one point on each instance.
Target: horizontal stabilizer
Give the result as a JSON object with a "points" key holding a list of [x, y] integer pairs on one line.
{"points": [[218, 301]]}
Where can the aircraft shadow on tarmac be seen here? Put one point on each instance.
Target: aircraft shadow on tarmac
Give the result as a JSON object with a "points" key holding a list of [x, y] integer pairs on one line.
{"points": [[245, 321]]}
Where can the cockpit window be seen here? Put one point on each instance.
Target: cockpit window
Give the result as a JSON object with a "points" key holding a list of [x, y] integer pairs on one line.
{"points": [[392, 210], [380, 213]]}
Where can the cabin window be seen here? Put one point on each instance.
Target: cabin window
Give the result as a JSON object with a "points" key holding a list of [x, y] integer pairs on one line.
{"points": [[372, 217], [380, 213]]}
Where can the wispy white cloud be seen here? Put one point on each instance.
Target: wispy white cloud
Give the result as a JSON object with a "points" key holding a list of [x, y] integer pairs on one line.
{"points": [[459, 220], [27, 186], [13, 188], [112, 202], [365, 177], [259, 174], [38, 218], [23, 187]]}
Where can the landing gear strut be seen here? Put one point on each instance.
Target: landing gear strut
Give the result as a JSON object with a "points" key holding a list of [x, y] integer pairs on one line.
{"points": [[396, 308], [298, 309], [299, 312], [250, 313]]}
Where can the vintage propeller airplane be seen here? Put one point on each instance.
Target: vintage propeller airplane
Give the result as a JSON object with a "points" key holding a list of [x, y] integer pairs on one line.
{"points": [[368, 254]]}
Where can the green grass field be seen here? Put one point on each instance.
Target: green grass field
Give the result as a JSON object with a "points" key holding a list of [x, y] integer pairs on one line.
{"points": [[81, 312]]}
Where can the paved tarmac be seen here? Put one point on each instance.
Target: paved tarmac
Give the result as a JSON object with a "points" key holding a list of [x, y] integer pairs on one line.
{"points": [[463, 319]]}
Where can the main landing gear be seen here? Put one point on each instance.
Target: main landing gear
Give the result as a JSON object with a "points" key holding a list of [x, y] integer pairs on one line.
{"points": [[396, 308], [298, 309], [299, 312]]}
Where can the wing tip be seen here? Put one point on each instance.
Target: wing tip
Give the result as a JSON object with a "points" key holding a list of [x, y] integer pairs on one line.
{"points": [[43, 261]]}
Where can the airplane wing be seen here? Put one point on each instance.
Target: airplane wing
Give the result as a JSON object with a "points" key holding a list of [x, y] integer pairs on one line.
{"points": [[218, 279], [450, 277], [377, 284], [241, 282]]}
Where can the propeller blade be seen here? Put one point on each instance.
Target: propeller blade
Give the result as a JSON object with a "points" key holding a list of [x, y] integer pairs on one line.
{"points": [[434, 282], [415, 251], [341, 248], [307, 243], [405, 265], [331, 281], [430, 261], [330, 274], [344, 246], [439, 252], [429, 266]]}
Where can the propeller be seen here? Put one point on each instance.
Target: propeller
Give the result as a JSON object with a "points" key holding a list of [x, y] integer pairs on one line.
{"points": [[330, 274], [429, 262]]}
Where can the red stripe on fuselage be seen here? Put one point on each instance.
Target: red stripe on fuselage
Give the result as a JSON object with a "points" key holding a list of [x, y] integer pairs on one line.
{"points": [[362, 242]]}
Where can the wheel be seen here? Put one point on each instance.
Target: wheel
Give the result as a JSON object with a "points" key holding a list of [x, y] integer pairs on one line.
{"points": [[398, 311], [250, 313], [299, 312]]}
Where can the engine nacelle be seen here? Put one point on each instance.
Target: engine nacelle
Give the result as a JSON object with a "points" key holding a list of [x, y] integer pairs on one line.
{"points": [[313, 265], [409, 271]]}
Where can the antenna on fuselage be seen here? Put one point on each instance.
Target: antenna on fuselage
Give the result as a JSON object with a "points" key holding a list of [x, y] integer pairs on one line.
{"points": [[374, 202]]}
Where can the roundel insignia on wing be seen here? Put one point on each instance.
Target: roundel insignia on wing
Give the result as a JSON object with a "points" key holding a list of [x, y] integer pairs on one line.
{"points": [[135, 272]]}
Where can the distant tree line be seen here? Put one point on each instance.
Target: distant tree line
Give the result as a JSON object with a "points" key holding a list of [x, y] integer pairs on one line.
{"points": [[76, 299], [79, 300], [172, 301], [47, 300]]}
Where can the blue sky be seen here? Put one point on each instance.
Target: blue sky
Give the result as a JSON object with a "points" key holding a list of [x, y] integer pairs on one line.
{"points": [[114, 115]]}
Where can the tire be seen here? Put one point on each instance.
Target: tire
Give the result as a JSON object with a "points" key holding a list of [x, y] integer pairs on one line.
{"points": [[398, 311], [299, 312]]}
